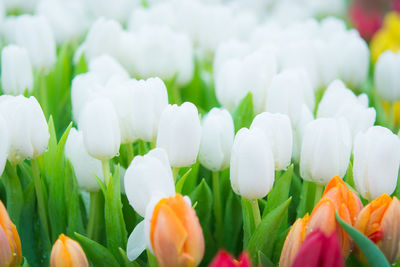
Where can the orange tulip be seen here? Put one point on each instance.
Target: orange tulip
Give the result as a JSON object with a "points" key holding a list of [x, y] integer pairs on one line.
{"points": [[175, 233], [380, 221], [67, 253], [10, 244], [294, 239], [338, 198]]}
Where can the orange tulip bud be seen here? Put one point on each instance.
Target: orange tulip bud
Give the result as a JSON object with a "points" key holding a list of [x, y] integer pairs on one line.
{"points": [[380, 221], [10, 244], [175, 233], [338, 198], [294, 239], [67, 253]]}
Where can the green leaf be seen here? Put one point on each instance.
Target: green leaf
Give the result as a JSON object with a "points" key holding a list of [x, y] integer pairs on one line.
{"points": [[248, 222], [264, 260], [25, 263], [114, 219], [307, 198], [349, 176], [244, 113], [181, 182], [371, 252], [127, 262], [15, 197], [397, 191], [233, 222], [203, 196], [280, 190], [96, 253], [264, 236]]}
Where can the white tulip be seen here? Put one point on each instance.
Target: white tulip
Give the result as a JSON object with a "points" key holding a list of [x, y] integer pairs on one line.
{"points": [[237, 77], [229, 50], [85, 166], [148, 176], [338, 101], [34, 33], [105, 67], [217, 135], [27, 126], [4, 144], [16, 70], [117, 9], [387, 76], [298, 131], [252, 170], [376, 162], [179, 133], [325, 150], [100, 128], [288, 92], [278, 130]]}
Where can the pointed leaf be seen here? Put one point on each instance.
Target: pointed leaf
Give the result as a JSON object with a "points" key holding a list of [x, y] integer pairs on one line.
{"points": [[244, 113]]}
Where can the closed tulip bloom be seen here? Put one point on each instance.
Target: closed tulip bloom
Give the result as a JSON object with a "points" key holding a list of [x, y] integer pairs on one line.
{"points": [[376, 162], [379, 221], [217, 135], [66, 252], [278, 130], [319, 250], [27, 127], [252, 169], [34, 33], [179, 133], [10, 244], [224, 259], [387, 76], [105, 67], [293, 241], [147, 175], [16, 70], [325, 150], [176, 236], [100, 128], [85, 166], [336, 198]]}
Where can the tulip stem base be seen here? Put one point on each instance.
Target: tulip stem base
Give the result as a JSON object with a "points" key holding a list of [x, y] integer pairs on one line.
{"points": [[318, 193], [217, 206], [106, 171], [40, 197], [95, 214], [256, 212]]}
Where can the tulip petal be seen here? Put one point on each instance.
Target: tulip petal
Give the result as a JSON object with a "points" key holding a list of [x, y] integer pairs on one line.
{"points": [[391, 232], [136, 242]]}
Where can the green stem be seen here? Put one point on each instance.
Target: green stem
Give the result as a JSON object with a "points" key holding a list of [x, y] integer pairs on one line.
{"points": [[151, 259], [15, 196], [175, 173], [256, 211], [131, 153], [39, 195], [318, 193], [217, 206], [95, 214], [106, 171]]}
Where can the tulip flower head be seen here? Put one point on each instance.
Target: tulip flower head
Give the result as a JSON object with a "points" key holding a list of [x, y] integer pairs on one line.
{"points": [[379, 221], [319, 250], [224, 259], [387, 76], [10, 244], [66, 252]]}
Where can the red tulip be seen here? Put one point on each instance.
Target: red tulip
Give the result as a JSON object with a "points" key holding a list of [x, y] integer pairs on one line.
{"points": [[224, 259], [319, 250]]}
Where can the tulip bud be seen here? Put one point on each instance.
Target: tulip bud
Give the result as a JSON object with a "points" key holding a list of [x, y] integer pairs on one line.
{"points": [[27, 127], [320, 250], [387, 76], [67, 252], [176, 237], [325, 150], [289, 91], [379, 221], [225, 259], [105, 67], [336, 198], [237, 77], [16, 70], [179, 133], [338, 101], [298, 131], [85, 166], [10, 244], [252, 171], [293, 242], [278, 130], [376, 158], [147, 175], [34, 33], [100, 128], [217, 135]]}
